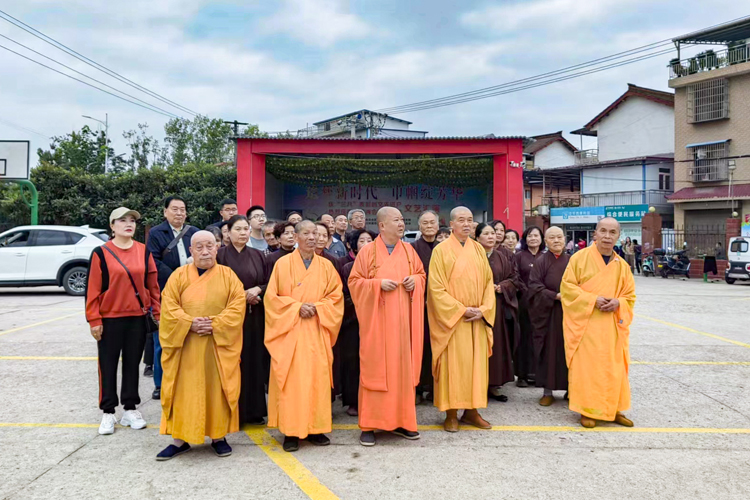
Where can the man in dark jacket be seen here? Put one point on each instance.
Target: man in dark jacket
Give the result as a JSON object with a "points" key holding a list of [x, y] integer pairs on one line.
{"points": [[169, 253]]}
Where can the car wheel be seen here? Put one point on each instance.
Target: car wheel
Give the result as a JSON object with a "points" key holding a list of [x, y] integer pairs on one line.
{"points": [[730, 281], [74, 281]]}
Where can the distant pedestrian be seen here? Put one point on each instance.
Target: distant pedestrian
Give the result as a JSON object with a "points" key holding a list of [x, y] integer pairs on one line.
{"points": [[570, 248], [628, 251], [257, 217], [122, 291], [719, 252], [357, 218], [273, 243], [334, 247], [169, 243], [582, 244], [443, 234], [499, 227], [638, 249], [341, 225], [511, 240]]}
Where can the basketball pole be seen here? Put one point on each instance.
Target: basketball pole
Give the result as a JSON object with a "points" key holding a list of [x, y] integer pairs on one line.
{"points": [[34, 203]]}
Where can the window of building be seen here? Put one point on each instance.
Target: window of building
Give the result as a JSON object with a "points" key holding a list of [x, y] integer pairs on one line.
{"points": [[709, 162], [665, 179], [527, 194], [708, 100], [327, 126]]}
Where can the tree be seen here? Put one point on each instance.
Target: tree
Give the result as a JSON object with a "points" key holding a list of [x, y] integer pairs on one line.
{"points": [[144, 149], [201, 140], [86, 150]]}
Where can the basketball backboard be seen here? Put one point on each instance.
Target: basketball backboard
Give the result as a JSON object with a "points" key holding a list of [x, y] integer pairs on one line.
{"points": [[14, 160]]}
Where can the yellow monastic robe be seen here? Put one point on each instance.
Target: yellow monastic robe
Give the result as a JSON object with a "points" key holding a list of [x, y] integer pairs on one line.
{"points": [[201, 384], [460, 277], [596, 342], [299, 390]]}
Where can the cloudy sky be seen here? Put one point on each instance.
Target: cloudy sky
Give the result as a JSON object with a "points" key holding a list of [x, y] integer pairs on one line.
{"points": [[285, 63]]}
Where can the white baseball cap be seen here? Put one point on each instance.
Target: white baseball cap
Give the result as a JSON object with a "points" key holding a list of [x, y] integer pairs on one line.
{"points": [[119, 213]]}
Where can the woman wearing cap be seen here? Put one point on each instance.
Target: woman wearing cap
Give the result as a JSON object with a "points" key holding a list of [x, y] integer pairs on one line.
{"points": [[120, 296]]}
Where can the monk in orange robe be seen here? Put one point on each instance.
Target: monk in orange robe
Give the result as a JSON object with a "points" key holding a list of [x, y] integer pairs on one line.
{"points": [[598, 296], [461, 311], [202, 311], [387, 287], [304, 305]]}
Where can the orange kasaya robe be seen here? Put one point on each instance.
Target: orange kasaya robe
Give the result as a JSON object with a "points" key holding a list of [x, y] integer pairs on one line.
{"points": [[460, 277], [299, 392], [597, 343], [391, 335], [201, 384]]}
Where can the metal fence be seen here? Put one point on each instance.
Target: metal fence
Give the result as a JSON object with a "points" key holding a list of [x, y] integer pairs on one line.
{"points": [[698, 240]]}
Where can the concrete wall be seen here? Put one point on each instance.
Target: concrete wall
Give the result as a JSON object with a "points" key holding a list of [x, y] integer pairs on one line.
{"points": [[554, 155], [638, 127], [736, 127], [612, 179]]}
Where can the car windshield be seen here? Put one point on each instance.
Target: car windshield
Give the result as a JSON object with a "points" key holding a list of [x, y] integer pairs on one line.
{"points": [[739, 246]]}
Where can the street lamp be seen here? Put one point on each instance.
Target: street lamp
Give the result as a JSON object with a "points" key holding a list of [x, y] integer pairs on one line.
{"points": [[106, 137], [731, 166]]}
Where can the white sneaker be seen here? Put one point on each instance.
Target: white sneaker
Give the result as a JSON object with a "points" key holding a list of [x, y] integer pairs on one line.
{"points": [[134, 419], [108, 424]]}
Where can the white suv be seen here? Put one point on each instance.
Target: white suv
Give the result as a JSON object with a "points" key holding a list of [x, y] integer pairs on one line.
{"points": [[48, 255]]}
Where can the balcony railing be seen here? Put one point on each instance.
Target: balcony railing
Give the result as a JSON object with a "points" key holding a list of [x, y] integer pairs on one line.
{"points": [[709, 61], [587, 157], [650, 197], [564, 200]]}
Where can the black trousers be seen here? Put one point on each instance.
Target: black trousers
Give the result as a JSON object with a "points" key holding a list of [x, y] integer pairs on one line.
{"points": [[125, 336], [148, 352]]}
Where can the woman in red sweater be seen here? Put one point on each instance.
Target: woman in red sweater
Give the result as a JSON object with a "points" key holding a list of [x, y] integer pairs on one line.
{"points": [[120, 295]]}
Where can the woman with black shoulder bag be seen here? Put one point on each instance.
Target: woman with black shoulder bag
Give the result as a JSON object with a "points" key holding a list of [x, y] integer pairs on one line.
{"points": [[122, 303]]}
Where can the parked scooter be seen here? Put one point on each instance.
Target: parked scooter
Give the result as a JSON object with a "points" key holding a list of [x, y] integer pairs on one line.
{"points": [[676, 264], [647, 265]]}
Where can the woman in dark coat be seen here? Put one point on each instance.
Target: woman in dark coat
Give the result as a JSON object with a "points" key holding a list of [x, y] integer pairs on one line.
{"points": [[348, 340], [505, 278], [532, 246], [249, 266]]}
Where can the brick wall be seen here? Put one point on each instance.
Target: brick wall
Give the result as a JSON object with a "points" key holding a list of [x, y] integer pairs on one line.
{"points": [[696, 269]]}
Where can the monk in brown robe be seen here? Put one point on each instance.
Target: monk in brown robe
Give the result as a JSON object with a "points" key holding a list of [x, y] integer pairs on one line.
{"points": [[428, 225], [505, 329], [461, 310], [547, 316], [387, 285], [202, 312], [348, 341], [532, 246], [304, 308], [248, 264]]}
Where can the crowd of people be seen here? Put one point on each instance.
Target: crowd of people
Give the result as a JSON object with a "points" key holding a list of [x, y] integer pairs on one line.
{"points": [[249, 320]]}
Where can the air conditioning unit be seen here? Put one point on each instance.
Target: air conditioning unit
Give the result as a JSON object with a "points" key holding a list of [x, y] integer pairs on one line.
{"points": [[543, 209]]}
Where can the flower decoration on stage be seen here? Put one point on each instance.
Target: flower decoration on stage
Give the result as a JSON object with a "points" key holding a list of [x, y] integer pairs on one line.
{"points": [[454, 171]]}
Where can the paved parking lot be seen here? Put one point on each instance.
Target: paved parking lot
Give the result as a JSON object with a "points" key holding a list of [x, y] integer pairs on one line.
{"points": [[690, 377]]}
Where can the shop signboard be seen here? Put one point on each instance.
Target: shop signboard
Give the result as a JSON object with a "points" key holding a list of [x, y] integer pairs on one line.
{"points": [[577, 215], [627, 213]]}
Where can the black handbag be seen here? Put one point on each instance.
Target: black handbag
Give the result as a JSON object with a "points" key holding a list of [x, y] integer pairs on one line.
{"points": [[151, 324]]}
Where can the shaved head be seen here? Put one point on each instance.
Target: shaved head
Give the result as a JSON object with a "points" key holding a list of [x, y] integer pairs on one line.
{"points": [[607, 221], [303, 224], [383, 214], [458, 211], [202, 235], [553, 230]]}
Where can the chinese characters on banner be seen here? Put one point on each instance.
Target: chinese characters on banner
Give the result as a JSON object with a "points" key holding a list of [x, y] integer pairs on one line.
{"points": [[412, 200]]}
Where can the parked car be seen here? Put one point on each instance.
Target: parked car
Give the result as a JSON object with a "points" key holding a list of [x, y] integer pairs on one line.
{"points": [[739, 260], [48, 255], [411, 236]]}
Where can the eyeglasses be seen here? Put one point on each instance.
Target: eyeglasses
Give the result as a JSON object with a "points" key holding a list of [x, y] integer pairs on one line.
{"points": [[258, 217]]}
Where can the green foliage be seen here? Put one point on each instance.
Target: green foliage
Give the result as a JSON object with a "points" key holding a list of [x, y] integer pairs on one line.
{"points": [[85, 149], [200, 140]]}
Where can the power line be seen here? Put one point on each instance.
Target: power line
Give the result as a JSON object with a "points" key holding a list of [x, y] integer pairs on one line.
{"points": [[87, 76], [85, 83], [20, 127], [491, 91], [63, 48]]}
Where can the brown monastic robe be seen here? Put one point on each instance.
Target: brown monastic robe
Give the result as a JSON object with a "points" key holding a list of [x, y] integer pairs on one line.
{"points": [[424, 250], [547, 319], [505, 329], [249, 266], [523, 354], [348, 343]]}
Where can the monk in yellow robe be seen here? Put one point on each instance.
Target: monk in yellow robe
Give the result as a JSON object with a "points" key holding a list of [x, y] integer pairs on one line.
{"points": [[387, 287], [304, 305], [203, 308], [461, 311], [598, 296]]}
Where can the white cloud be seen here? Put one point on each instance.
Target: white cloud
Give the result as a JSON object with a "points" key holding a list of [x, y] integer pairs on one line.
{"points": [[316, 22], [530, 15]]}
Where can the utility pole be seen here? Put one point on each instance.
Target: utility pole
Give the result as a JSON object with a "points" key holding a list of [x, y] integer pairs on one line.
{"points": [[235, 125]]}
